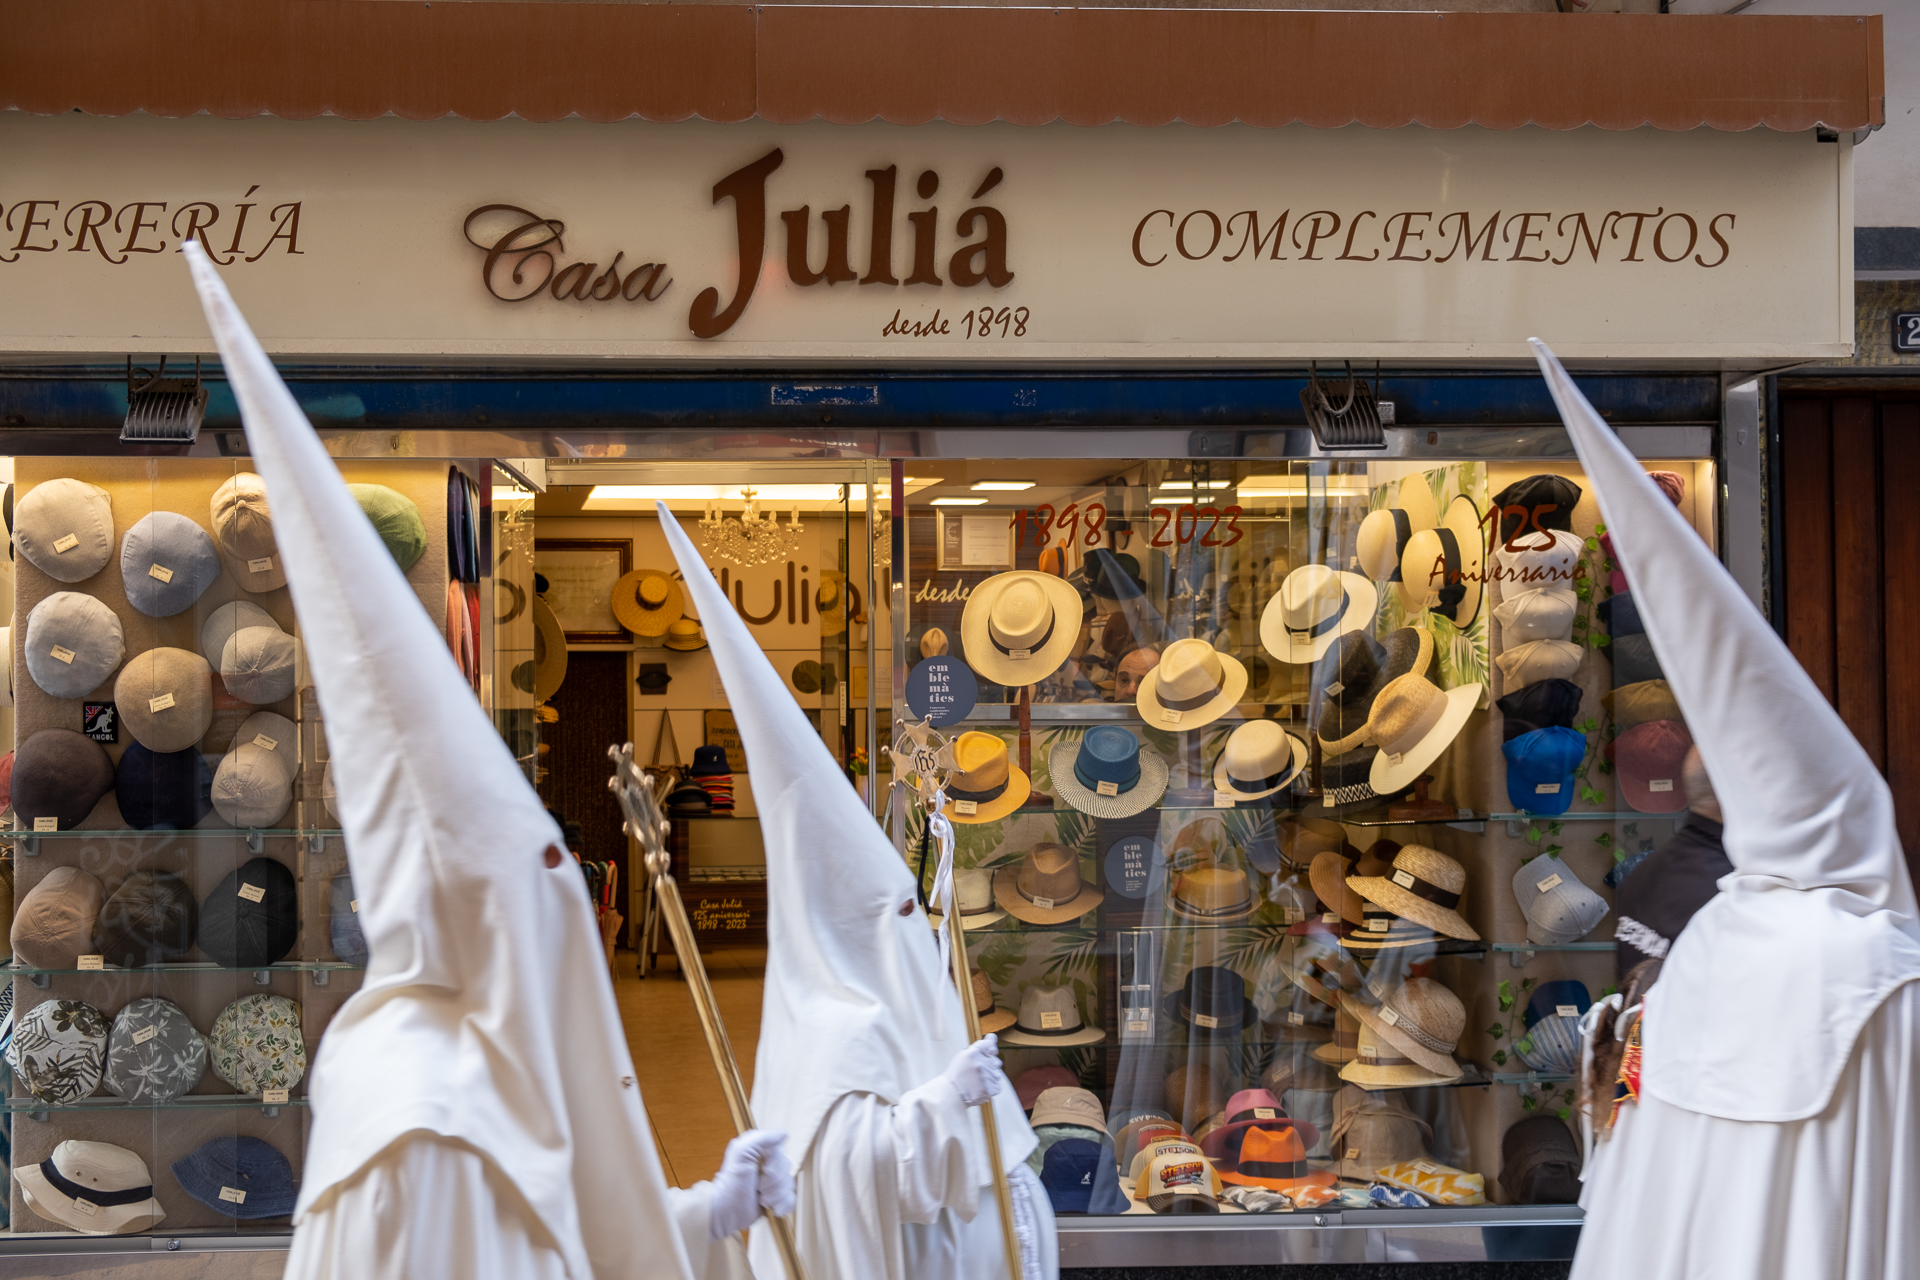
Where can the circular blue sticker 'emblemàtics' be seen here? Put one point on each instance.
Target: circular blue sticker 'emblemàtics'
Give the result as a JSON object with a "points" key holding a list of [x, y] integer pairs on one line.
{"points": [[942, 688], [1129, 863]]}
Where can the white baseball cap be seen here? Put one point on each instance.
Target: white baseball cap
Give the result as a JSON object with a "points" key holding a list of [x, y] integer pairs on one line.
{"points": [[1537, 615], [1538, 660], [1545, 561]]}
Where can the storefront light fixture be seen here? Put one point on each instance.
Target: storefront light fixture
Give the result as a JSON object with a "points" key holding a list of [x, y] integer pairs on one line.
{"points": [[959, 502], [1295, 486], [1002, 486], [781, 497]]}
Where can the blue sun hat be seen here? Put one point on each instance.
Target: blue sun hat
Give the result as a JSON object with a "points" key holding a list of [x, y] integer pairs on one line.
{"points": [[167, 562], [239, 1177]]}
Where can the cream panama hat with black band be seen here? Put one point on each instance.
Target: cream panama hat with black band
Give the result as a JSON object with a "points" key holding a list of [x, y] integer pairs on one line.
{"points": [[1193, 684], [1019, 627], [1447, 564], [986, 786], [1383, 536], [973, 889], [1260, 758], [1315, 606]]}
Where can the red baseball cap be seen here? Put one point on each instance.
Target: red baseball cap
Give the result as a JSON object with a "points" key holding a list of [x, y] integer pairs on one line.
{"points": [[1648, 758]]}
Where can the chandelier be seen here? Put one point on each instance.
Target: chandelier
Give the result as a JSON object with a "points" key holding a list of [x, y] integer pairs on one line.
{"points": [[882, 541], [751, 538]]}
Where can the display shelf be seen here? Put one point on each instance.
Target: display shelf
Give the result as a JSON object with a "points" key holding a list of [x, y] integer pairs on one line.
{"points": [[1517, 822], [186, 1102], [321, 970], [1000, 713], [1529, 1077], [27, 843]]}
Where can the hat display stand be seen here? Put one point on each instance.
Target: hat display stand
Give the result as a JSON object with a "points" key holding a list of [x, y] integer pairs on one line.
{"points": [[1024, 709], [1421, 807]]}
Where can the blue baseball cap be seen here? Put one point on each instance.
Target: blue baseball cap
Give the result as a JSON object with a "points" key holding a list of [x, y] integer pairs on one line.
{"points": [[163, 790], [1540, 769], [167, 562], [1620, 615], [239, 1177]]}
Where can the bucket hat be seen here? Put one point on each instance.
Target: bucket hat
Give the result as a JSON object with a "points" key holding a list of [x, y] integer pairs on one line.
{"points": [[1069, 1104], [1180, 1183], [986, 785], [148, 920], [1276, 1158], [243, 531], [162, 791], [1107, 773], [1634, 660], [1552, 1042], [1647, 757], [73, 643], [64, 528], [1345, 1044], [95, 1188], [239, 1176], [58, 1050], [1447, 563], [1547, 502], [1540, 769], [1538, 561], [1537, 615], [1246, 1110], [1315, 606], [1559, 908], [259, 665], [274, 734], [1540, 1162], [973, 890], [1413, 723], [1314, 961], [1538, 660], [153, 1053], [54, 922], [252, 918], [256, 1044], [1634, 704], [167, 562], [1425, 886], [1034, 1081], [1545, 704], [1050, 1018], [251, 789], [1045, 887], [165, 698], [1259, 760], [1212, 1001], [1213, 894], [685, 635], [1018, 627], [1193, 684], [396, 519], [224, 620], [348, 939], [992, 1017], [1420, 1019], [1350, 676], [1374, 1130], [648, 601]]}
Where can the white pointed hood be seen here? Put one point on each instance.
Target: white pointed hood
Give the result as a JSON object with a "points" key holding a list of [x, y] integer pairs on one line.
{"points": [[1764, 994], [857, 1000], [487, 1015]]}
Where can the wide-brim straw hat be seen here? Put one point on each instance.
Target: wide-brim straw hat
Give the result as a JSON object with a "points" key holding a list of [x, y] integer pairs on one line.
{"points": [[549, 652], [1389, 1068], [1328, 873], [992, 1017], [1141, 796], [1398, 935], [648, 601], [1341, 1049], [985, 778], [1413, 724], [1212, 894], [1420, 1018], [1383, 535], [1045, 887], [1317, 628], [830, 602], [1036, 615], [1260, 758], [1354, 674], [1447, 564], [1424, 886], [1192, 685]]}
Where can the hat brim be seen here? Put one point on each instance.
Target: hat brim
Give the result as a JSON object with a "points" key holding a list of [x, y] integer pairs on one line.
{"points": [[550, 669], [1175, 908], [636, 617], [1333, 1054], [1463, 520], [1373, 1077], [1313, 1178], [1214, 1145], [1441, 1065], [970, 920], [1390, 775], [1036, 1040], [1145, 793], [1363, 599], [1019, 787], [1327, 873], [1006, 892], [832, 624], [699, 642], [988, 662], [110, 1220], [1383, 892], [1394, 940], [1302, 977], [999, 1020], [1249, 1016], [1233, 687], [1223, 781]]}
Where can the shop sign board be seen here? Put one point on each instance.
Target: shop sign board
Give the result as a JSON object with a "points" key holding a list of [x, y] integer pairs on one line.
{"points": [[932, 243]]}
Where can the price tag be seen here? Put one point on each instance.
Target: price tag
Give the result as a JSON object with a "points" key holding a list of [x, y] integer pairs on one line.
{"points": [[160, 571], [1379, 988], [67, 543], [1378, 924], [46, 824], [1368, 1050], [1045, 904], [1051, 1022], [1335, 689], [1107, 788], [1224, 800], [1265, 1113], [262, 740], [1551, 882], [233, 1195], [274, 1097], [354, 906], [252, 892], [1169, 716], [1296, 1018], [1019, 655], [1660, 784], [91, 964], [1139, 1017], [1426, 1166], [145, 1034], [1388, 1016], [1290, 915], [87, 1207], [1547, 789], [1329, 917], [262, 565], [1353, 1153], [1566, 1011], [160, 703], [61, 653], [1402, 878], [1202, 1020], [966, 808]]}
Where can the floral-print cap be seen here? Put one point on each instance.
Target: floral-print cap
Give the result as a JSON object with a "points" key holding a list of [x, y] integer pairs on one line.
{"points": [[153, 1054], [59, 1050], [256, 1044]]}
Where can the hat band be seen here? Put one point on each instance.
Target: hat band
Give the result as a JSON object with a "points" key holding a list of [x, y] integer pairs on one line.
{"points": [[1251, 1115], [1232, 1020], [1056, 903], [1190, 908], [1272, 1168], [1402, 531], [1429, 718], [1455, 588], [1386, 1060], [1267, 783], [104, 1199], [1423, 888], [1320, 628], [1198, 700], [1412, 1030], [978, 797], [1041, 643], [1062, 1030]]}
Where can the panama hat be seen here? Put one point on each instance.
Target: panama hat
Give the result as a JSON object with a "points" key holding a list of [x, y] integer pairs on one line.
{"points": [[549, 652], [1018, 627], [1192, 685], [1214, 894], [1383, 535], [973, 890], [1050, 1018], [1260, 758], [648, 601], [992, 1017], [1424, 886], [830, 602], [1421, 1019], [1344, 1045], [986, 786], [1447, 564], [1412, 723], [1107, 773], [94, 1188], [1045, 887], [1314, 607]]}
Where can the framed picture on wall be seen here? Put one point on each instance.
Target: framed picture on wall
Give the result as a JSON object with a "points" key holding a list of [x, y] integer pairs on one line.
{"points": [[580, 574], [972, 542]]}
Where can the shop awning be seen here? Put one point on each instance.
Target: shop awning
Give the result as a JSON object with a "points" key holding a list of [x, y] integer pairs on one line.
{"points": [[361, 59]]}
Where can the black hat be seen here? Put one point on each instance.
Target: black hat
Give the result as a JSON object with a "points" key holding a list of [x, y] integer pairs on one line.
{"points": [[253, 918], [343, 921], [1213, 1002], [148, 920], [1540, 1162], [58, 773], [1114, 577], [1535, 493], [1620, 615], [1548, 704], [163, 789], [1633, 661]]}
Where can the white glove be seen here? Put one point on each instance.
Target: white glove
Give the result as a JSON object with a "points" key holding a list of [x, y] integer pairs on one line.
{"points": [[754, 1172], [975, 1071]]}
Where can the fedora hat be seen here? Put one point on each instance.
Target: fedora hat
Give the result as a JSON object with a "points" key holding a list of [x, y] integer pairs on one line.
{"points": [[1018, 627], [647, 601], [1382, 930], [992, 1017], [1192, 685], [1424, 886], [1351, 678], [1213, 894], [1045, 887], [1314, 607], [1260, 759], [1107, 773], [1447, 564], [1275, 1157], [1420, 1019], [1328, 873], [1213, 1001], [1412, 723], [1251, 1109], [986, 786], [685, 635], [1344, 1045], [549, 652], [830, 602], [1050, 1019], [973, 889], [1114, 576], [1378, 1064]]}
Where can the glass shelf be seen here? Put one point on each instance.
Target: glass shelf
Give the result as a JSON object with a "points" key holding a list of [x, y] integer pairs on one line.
{"points": [[166, 833], [192, 967], [1529, 1077], [186, 1102], [1526, 947]]}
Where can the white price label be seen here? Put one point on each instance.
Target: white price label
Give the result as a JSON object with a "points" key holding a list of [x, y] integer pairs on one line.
{"points": [[46, 824], [67, 543], [1265, 1113], [145, 1034], [262, 740], [1335, 689], [1107, 788], [252, 892], [1329, 917], [354, 906], [1566, 1011], [1402, 878], [273, 1097], [61, 653], [1045, 904], [1388, 1016], [91, 964], [1551, 882], [87, 1207], [1426, 1166], [1224, 800], [1379, 988], [1547, 789], [233, 1195], [1368, 1050], [160, 571], [262, 565], [1020, 655], [1169, 716], [1296, 1018], [1660, 784], [160, 703], [1378, 924], [1353, 1153], [1052, 1022], [966, 808], [1202, 1020]]}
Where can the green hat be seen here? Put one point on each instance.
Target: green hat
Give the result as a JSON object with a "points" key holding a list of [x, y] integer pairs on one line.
{"points": [[396, 519]]}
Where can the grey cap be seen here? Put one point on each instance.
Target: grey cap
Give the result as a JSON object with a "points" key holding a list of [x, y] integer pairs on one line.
{"points": [[227, 619], [275, 734], [65, 529], [165, 698], [1557, 903], [258, 664], [74, 642], [153, 1053], [251, 788], [167, 562]]}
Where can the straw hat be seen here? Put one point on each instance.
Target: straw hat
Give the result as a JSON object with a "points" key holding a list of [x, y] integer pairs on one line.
{"points": [[1380, 1065], [992, 1018], [1447, 564], [1314, 961], [973, 889], [1314, 607], [1260, 759], [1412, 722], [933, 642], [1045, 887], [1382, 930], [1216, 895], [549, 652], [1419, 1018], [685, 634], [1018, 627], [1275, 1157], [1192, 685], [1345, 1044], [986, 785], [1383, 535], [1424, 886], [1050, 1019], [830, 602], [647, 601], [1107, 773], [1328, 874]]}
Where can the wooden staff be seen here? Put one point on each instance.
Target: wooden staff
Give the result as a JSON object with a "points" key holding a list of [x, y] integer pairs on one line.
{"points": [[647, 825], [963, 978]]}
